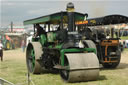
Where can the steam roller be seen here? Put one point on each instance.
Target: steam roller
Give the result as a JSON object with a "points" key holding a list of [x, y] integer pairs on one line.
{"points": [[63, 50], [73, 67], [64, 42]]}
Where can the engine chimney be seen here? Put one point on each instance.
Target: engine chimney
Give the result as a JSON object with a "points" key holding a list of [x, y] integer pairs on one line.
{"points": [[70, 12]]}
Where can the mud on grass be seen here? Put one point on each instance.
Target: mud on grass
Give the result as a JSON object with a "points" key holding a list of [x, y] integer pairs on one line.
{"points": [[13, 69]]}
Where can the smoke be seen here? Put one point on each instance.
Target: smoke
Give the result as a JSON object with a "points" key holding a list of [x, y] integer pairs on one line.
{"points": [[98, 8]]}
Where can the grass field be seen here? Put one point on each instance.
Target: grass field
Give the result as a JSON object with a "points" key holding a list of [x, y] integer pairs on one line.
{"points": [[124, 38], [14, 70]]}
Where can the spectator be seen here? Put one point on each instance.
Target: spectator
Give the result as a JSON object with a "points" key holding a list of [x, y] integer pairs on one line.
{"points": [[23, 45], [1, 50], [126, 43]]}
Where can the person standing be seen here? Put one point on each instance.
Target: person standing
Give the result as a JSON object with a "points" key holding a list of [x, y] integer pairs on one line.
{"points": [[23, 45], [126, 43], [1, 50]]}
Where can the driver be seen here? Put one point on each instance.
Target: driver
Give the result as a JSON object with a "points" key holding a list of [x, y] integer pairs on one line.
{"points": [[40, 30]]}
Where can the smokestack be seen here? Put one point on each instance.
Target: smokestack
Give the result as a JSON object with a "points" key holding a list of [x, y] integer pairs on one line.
{"points": [[11, 26], [71, 21]]}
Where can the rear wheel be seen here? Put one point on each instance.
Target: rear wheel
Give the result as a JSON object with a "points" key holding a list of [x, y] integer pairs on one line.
{"points": [[112, 65], [34, 52], [114, 53]]}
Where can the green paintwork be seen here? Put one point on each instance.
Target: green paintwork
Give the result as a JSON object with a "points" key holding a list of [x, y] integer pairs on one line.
{"points": [[7, 44], [52, 18], [33, 58], [43, 39], [50, 46], [59, 46], [51, 37], [79, 17], [37, 20], [34, 39], [63, 51]]}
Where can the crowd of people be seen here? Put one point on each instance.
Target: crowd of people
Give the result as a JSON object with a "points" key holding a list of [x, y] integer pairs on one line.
{"points": [[23, 45]]}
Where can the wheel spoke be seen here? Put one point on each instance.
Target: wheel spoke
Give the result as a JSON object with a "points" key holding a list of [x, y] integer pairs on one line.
{"points": [[32, 58]]}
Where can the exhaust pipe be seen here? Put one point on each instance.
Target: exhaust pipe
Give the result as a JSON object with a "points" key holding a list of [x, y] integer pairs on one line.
{"points": [[71, 20]]}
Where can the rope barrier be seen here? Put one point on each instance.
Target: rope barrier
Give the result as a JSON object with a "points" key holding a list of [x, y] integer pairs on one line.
{"points": [[28, 82]]}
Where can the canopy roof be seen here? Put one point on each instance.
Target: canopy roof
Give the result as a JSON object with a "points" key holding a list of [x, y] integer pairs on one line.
{"points": [[106, 20], [54, 18]]}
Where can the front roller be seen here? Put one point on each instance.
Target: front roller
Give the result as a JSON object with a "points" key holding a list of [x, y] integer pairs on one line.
{"points": [[33, 54], [80, 67]]}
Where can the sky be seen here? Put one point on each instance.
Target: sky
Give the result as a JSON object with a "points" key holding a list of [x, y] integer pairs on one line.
{"points": [[19, 10]]}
